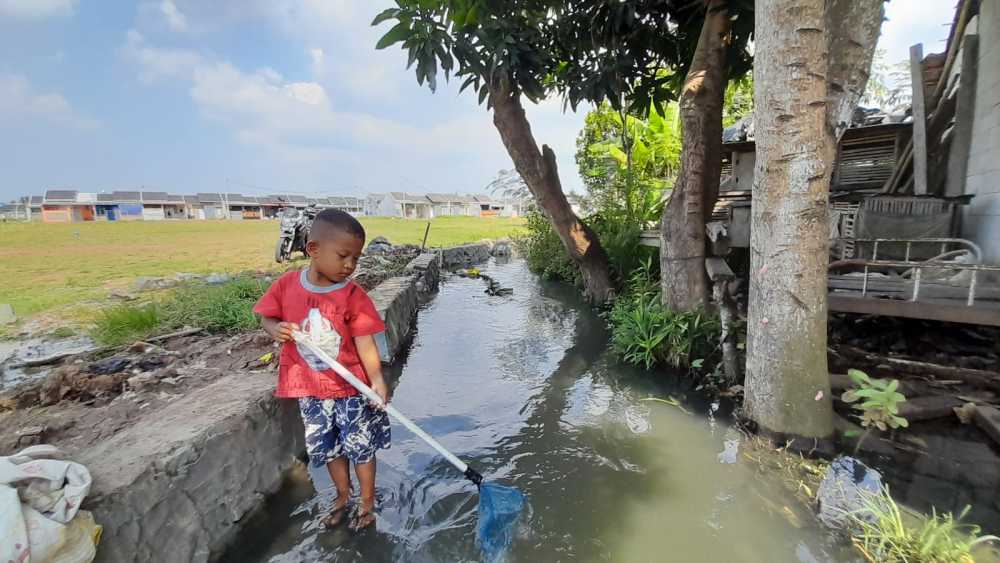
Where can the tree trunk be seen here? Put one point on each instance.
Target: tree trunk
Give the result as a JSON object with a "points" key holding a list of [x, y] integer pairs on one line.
{"points": [[682, 225], [811, 65], [538, 169]]}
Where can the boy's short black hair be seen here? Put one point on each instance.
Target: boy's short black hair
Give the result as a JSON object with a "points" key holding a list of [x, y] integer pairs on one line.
{"points": [[330, 221]]}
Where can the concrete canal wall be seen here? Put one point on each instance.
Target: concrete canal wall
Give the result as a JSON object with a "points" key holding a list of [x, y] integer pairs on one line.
{"points": [[176, 485]]}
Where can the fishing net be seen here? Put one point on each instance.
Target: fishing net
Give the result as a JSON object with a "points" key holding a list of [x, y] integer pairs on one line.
{"points": [[499, 507]]}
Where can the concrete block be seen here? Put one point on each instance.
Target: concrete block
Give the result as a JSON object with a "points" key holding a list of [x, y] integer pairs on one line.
{"points": [[175, 485]]}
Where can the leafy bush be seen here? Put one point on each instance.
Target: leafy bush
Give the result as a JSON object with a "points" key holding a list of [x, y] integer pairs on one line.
{"points": [[226, 307], [646, 334], [125, 323], [880, 401], [544, 252], [885, 532]]}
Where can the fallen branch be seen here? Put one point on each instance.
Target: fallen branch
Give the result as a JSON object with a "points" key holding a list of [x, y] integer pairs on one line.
{"points": [[47, 360], [179, 333], [974, 377]]}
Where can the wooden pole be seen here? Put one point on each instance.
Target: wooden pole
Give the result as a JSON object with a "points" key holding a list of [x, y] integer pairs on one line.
{"points": [[919, 121], [427, 231], [958, 158]]}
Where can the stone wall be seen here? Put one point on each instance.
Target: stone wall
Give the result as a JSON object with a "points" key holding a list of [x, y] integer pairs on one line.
{"points": [[397, 300], [175, 485], [465, 255]]}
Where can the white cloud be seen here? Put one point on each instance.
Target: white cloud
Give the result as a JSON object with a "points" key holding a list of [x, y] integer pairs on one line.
{"points": [[18, 100], [36, 9], [158, 62], [174, 17], [318, 58]]}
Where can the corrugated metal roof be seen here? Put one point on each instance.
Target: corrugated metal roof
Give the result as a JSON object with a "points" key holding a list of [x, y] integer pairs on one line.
{"points": [[37, 200], [175, 198], [154, 197], [129, 197], [106, 198], [191, 199], [60, 196], [404, 197], [209, 198]]}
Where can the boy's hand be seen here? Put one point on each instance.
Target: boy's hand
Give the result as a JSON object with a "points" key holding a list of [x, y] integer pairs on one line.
{"points": [[382, 390], [283, 331]]}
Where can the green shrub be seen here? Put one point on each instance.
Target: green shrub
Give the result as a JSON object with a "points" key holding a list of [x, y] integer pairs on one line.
{"points": [[885, 532], [125, 323], [544, 252], [644, 333], [225, 308]]}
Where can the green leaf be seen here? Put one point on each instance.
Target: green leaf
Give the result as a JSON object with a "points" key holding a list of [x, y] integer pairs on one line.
{"points": [[849, 396], [902, 422], [385, 15], [398, 33], [893, 385], [858, 377], [852, 433], [696, 364]]}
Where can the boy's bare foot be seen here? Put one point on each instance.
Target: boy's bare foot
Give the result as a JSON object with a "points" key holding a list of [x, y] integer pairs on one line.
{"points": [[364, 516], [337, 512]]}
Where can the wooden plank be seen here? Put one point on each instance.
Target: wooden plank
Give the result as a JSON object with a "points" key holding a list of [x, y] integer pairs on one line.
{"points": [[919, 121], [962, 16], [650, 238], [988, 419], [975, 377], [958, 158], [718, 269], [957, 313]]}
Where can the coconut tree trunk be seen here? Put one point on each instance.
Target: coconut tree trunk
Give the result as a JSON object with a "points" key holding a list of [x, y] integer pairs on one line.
{"points": [[811, 63], [538, 169], [682, 225]]}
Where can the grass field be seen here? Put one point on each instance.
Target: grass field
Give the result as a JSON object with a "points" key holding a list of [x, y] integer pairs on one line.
{"points": [[45, 267]]}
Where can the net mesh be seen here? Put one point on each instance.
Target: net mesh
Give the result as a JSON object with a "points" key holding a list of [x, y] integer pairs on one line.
{"points": [[499, 507]]}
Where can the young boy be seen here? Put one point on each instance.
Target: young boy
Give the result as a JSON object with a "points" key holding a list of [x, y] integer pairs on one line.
{"points": [[341, 426]]}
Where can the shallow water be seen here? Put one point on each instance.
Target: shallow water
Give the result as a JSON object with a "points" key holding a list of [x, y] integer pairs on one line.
{"points": [[522, 388]]}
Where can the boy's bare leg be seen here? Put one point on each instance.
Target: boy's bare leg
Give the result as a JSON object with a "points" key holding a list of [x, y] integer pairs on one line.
{"points": [[366, 510], [340, 474]]}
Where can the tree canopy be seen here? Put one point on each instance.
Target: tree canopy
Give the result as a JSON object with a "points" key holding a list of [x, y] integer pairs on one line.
{"points": [[583, 50]]}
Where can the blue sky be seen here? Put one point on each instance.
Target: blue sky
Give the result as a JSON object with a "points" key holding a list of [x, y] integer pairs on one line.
{"points": [[259, 96]]}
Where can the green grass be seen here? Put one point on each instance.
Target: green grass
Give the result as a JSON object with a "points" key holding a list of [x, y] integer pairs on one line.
{"points": [[885, 532], [55, 267], [121, 324], [220, 308]]}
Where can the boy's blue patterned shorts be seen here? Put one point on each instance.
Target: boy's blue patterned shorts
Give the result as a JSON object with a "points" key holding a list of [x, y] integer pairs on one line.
{"points": [[348, 427]]}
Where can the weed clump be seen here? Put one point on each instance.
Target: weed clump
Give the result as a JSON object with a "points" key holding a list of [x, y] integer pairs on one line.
{"points": [[225, 308], [883, 531], [125, 323]]}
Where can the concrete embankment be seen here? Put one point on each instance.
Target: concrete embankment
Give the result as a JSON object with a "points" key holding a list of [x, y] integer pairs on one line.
{"points": [[176, 484]]}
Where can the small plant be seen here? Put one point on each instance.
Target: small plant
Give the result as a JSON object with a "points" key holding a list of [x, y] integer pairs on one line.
{"points": [[125, 323], [879, 398], [646, 334], [883, 531]]}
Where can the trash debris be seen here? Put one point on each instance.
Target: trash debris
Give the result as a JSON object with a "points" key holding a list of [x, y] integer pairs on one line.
{"points": [[840, 492], [41, 492]]}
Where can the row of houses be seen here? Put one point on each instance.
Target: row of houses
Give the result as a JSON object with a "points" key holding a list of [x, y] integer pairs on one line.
{"points": [[64, 206], [427, 206]]}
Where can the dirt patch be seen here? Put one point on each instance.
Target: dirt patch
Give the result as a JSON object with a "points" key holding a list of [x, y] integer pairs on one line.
{"points": [[89, 399]]}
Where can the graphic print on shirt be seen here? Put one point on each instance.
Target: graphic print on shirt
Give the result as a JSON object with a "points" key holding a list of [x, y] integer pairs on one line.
{"points": [[331, 344]]}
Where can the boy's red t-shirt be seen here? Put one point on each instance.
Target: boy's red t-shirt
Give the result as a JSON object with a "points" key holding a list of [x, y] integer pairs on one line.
{"points": [[350, 312]]}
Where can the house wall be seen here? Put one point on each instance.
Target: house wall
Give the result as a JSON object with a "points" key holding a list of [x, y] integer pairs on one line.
{"points": [[389, 207], [743, 163], [174, 212], [57, 214], [981, 218], [152, 213], [129, 212]]}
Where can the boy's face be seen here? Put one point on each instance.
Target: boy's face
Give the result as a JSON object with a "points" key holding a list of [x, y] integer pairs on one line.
{"points": [[336, 257]]}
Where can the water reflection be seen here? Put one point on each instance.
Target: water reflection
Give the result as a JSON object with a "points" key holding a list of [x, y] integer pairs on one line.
{"points": [[523, 388]]}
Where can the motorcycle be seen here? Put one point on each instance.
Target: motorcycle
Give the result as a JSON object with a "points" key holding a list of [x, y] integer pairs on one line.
{"points": [[293, 232]]}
